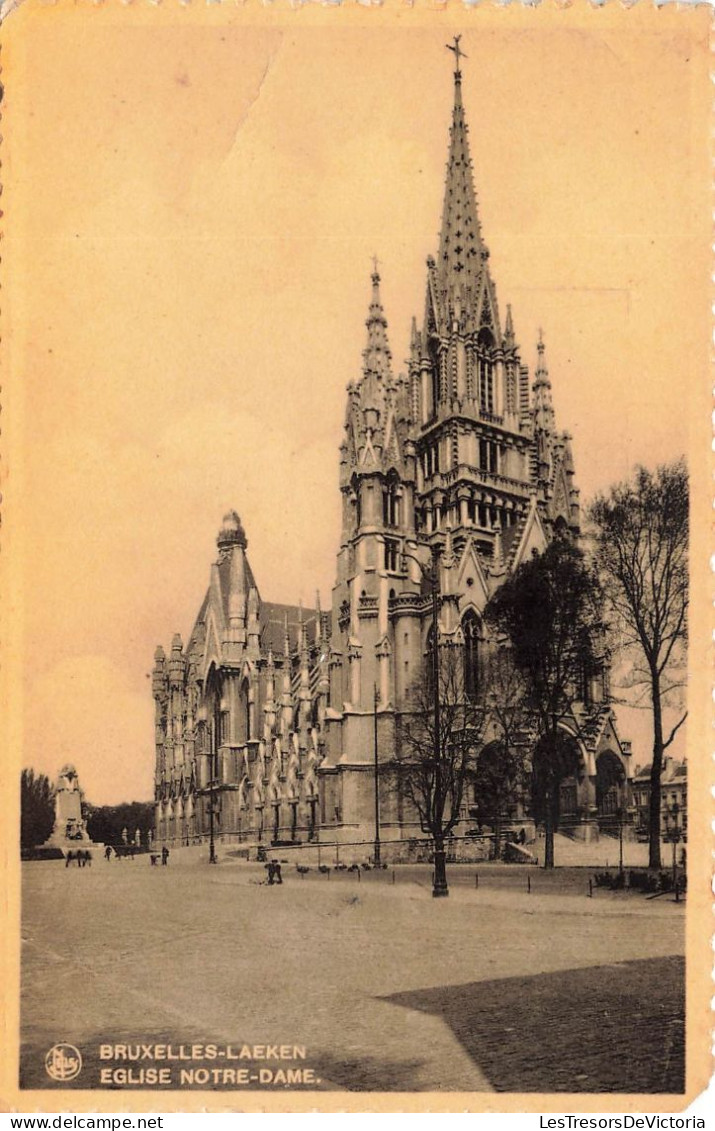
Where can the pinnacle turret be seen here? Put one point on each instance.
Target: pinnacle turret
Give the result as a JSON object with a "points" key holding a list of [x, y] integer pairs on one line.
{"points": [[376, 355], [509, 340], [543, 405], [231, 532]]}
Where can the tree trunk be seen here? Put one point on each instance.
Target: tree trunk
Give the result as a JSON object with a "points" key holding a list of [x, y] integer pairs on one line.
{"points": [[655, 775], [497, 838], [548, 831], [440, 888]]}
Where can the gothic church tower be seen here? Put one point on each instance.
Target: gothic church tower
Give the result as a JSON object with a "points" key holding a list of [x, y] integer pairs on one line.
{"points": [[459, 457]]}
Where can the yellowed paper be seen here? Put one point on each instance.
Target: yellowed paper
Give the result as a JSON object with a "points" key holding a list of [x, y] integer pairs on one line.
{"points": [[198, 201]]}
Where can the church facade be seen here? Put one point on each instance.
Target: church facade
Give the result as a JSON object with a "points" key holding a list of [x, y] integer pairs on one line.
{"points": [[271, 714]]}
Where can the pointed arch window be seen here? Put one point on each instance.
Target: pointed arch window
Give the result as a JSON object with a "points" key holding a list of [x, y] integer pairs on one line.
{"points": [[390, 504], [472, 631], [246, 704], [485, 343]]}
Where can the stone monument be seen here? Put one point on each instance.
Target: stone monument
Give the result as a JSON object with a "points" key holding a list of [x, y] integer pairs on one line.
{"points": [[70, 831]]}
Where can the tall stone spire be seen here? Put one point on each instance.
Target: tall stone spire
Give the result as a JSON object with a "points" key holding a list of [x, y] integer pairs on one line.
{"points": [[461, 250], [376, 355]]}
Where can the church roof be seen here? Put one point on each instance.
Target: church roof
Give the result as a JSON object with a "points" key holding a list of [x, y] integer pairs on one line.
{"points": [[273, 626]]}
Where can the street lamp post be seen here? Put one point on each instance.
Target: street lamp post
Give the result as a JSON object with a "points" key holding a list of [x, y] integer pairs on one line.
{"points": [[377, 778], [212, 771], [675, 837], [439, 888], [620, 840]]}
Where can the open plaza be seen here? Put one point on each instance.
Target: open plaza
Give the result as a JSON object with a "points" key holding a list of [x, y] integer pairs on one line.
{"points": [[209, 978]]}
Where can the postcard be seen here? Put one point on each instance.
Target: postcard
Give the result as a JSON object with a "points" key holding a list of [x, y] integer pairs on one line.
{"points": [[356, 622]]}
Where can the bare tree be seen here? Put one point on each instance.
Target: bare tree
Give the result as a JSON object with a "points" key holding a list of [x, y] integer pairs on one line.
{"points": [[438, 751], [642, 529], [501, 762]]}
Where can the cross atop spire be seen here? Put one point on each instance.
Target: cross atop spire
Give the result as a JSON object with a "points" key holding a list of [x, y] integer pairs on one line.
{"points": [[458, 54]]}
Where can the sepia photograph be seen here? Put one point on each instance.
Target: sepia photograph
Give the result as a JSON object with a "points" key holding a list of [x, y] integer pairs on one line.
{"points": [[355, 472]]}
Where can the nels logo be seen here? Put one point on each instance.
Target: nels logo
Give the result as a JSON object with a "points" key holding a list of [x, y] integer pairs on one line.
{"points": [[63, 1063]]}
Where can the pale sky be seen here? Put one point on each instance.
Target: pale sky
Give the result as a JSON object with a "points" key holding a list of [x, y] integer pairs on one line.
{"points": [[192, 213]]}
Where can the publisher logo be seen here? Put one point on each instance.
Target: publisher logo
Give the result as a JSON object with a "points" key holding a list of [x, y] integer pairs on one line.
{"points": [[63, 1063]]}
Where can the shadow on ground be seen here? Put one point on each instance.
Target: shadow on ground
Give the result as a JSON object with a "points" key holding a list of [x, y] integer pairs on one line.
{"points": [[615, 1028], [370, 1074]]}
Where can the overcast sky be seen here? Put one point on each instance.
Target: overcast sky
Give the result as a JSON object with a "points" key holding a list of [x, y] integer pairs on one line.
{"points": [[194, 226]]}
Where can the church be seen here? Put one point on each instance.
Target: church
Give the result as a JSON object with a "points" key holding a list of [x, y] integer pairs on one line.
{"points": [[271, 718]]}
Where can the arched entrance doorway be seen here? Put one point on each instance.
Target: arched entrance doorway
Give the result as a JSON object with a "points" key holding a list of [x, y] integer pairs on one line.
{"points": [[558, 776], [610, 791]]}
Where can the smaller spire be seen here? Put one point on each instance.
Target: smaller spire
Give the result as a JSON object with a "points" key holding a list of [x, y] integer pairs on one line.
{"points": [[302, 632], [286, 638], [541, 374], [509, 328], [376, 355], [543, 405], [414, 341]]}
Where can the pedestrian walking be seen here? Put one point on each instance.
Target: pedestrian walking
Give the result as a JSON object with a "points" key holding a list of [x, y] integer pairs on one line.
{"points": [[165, 855]]}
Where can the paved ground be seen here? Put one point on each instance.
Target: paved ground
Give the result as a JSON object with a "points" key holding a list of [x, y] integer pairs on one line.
{"points": [[495, 988]]}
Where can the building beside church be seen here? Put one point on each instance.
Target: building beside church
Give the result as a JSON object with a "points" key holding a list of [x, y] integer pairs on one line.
{"points": [[673, 799], [276, 705]]}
